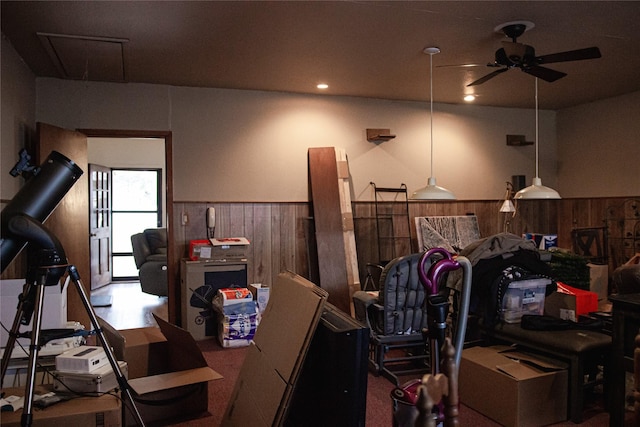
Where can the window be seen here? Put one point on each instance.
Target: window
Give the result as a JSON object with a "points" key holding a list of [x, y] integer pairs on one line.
{"points": [[136, 205]]}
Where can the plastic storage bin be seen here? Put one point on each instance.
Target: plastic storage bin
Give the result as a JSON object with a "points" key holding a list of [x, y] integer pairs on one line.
{"points": [[523, 297]]}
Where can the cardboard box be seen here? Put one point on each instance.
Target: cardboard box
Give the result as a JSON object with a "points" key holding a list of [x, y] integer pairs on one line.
{"points": [[176, 371], [543, 241], [103, 411], [54, 314], [513, 388], [570, 303], [523, 297], [599, 280], [275, 357], [229, 247], [260, 294]]}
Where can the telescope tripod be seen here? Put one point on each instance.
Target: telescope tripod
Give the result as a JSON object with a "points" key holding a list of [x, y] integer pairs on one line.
{"points": [[27, 302]]}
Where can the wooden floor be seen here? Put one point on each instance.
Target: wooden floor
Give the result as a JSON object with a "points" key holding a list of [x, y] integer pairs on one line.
{"points": [[130, 307]]}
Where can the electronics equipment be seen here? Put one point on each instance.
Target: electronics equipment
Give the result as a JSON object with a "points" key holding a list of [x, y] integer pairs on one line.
{"points": [[332, 387], [101, 380], [81, 359]]}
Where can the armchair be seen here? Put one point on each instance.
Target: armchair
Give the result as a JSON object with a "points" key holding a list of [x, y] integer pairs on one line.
{"points": [[150, 255], [397, 315]]}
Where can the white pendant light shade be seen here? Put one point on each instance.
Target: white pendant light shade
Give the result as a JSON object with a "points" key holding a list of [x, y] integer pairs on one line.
{"points": [[432, 191], [536, 190]]}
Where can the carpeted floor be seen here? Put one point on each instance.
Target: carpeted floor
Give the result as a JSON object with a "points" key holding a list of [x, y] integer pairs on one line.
{"points": [[228, 361]]}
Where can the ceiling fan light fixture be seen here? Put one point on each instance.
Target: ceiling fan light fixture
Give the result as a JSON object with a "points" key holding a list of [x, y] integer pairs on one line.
{"points": [[513, 29]]}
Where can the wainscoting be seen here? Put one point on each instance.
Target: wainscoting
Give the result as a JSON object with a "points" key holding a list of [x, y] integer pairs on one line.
{"points": [[280, 233]]}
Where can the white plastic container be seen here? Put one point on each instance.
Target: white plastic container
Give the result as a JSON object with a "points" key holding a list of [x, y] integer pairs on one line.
{"points": [[523, 297]]}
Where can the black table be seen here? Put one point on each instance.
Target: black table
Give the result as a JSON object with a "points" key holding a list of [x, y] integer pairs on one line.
{"points": [[626, 322]]}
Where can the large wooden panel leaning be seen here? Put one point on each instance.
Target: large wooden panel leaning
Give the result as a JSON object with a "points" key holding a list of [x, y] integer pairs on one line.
{"points": [[69, 222], [337, 258]]}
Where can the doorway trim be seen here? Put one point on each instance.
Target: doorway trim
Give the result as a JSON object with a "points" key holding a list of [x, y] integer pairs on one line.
{"points": [[173, 300]]}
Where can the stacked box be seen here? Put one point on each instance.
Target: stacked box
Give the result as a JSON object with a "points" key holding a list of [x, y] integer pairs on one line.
{"points": [[543, 241], [570, 303], [261, 295]]}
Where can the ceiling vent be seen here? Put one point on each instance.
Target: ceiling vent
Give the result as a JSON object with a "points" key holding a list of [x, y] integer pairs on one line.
{"points": [[86, 57]]}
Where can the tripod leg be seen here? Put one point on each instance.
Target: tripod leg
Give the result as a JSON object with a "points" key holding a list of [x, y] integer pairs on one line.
{"points": [[27, 411], [122, 381], [13, 334]]}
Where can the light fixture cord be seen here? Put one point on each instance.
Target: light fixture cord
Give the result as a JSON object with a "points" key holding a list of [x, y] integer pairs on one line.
{"points": [[431, 109], [537, 175]]}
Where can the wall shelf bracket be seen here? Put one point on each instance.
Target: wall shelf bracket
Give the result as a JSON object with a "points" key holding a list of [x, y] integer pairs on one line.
{"points": [[379, 135]]}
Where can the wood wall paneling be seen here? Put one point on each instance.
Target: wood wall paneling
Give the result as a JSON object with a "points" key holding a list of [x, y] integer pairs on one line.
{"points": [[279, 235]]}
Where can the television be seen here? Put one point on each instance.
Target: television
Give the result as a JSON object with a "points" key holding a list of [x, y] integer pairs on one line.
{"points": [[332, 387]]}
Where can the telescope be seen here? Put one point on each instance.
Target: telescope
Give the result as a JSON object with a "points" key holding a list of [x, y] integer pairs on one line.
{"points": [[21, 220]]}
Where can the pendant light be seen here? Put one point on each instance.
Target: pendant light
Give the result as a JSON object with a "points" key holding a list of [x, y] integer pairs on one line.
{"points": [[432, 191], [536, 190]]}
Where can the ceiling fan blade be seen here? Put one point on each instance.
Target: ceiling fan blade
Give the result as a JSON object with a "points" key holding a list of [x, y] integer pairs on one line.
{"points": [[467, 65], [572, 55], [546, 74], [487, 77]]}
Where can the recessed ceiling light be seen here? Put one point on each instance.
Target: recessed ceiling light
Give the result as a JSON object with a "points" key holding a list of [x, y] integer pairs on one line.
{"points": [[322, 86], [469, 98]]}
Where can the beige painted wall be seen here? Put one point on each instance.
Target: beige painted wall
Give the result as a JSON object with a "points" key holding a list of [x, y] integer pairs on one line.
{"points": [[18, 115], [599, 148], [232, 145]]}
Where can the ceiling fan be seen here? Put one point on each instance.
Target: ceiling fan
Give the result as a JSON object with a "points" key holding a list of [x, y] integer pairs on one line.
{"points": [[517, 55]]}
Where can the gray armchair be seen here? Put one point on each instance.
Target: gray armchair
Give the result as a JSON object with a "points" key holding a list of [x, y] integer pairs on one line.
{"points": [[150, 255]]}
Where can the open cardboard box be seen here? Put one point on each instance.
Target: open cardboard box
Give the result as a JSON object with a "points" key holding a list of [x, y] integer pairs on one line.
{"points": [[272, 365], [165, 365], [514, 388]]}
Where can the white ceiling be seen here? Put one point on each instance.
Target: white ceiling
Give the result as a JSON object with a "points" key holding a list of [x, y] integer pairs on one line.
{"points": [[360, 48]]}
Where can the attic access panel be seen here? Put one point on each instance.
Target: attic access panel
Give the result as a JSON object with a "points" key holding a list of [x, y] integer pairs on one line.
{"points": [[86, 57]]}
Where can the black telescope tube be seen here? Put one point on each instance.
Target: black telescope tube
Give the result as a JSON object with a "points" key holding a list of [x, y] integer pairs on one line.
{"points": [[37, 198]]}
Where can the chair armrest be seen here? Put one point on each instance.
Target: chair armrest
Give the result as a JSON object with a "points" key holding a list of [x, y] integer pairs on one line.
{"points": [[368, 311], [157, 258], [361, 302]]}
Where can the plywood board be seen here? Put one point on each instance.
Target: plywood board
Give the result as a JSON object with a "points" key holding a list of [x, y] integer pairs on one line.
{"points": [[333, 218]]}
